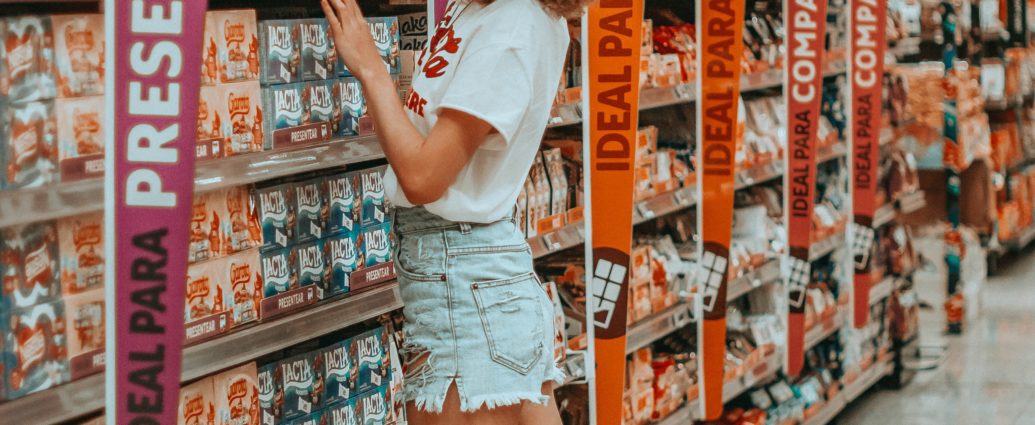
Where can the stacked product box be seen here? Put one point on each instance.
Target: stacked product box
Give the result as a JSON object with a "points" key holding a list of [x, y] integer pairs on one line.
{"points": [[230, 109], [345, 383], [309, 96], [51, 114], [322, 236], [229, 398]]}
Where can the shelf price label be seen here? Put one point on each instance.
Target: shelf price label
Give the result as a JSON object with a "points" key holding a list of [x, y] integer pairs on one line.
{"points": [[155, 52], [866, 72], [805, 21], [719, 33], [612, 30]]}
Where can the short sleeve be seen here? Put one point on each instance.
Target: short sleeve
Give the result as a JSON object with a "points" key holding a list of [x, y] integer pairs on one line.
{"points": [[493, 84]]}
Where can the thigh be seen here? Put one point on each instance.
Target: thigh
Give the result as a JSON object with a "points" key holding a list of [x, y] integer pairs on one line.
{"points": [[520, 414]]}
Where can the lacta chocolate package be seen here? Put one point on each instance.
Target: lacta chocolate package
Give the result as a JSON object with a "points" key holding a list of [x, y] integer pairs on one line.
{"points": [[315, 418], [277, 215], [36, 349], [311, 265], [236, 394], [243, 130], [322, 107], [79, 54], [337, 365], [29, 58], [80, 137], [343, 413], [279, 271], [319, 58], [385, 32], [377, 244], [197, 403], [32, 153], [349, 94], [279, 53], [271, 394], [290, 122], [312, 213], [342, 254], [344, 202], [375, 209], [298, 381], [81, 247], [374, 407], [231, 46], [369, 352]]}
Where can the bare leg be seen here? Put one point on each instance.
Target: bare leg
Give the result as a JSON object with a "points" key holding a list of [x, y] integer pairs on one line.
{"points": [[520, 414]]}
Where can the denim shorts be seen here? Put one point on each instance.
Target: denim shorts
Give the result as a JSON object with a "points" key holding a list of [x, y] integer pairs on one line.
{"points": [[476, 314]]}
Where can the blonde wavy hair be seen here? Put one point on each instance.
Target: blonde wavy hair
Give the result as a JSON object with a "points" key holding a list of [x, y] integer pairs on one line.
{"points": [[570, 9]]}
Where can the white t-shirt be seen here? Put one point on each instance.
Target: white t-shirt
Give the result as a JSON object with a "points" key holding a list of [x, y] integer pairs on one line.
{"points": [[500, 63]]}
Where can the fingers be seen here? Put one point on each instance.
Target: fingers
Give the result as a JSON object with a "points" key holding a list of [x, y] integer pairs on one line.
{"points": [[341, 9], [354, 8], [332, 18]]}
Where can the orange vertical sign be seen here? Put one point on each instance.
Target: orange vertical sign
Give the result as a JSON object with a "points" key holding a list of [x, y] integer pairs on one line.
{"points": [[866, 72], [719, 31], [613, 47], [805, 21]]}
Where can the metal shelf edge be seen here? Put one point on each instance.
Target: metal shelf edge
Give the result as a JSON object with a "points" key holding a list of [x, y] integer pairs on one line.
{"points": [[820, 332], [57, 405], [882, 289], [657, 326]]}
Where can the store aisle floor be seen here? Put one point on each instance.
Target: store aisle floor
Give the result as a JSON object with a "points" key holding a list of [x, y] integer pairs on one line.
{"points": [[989, 373]]}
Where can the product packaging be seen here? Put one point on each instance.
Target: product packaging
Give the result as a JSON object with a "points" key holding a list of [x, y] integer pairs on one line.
{"points": [[80, 137], [369, 351], [79, 54], [32, 257], [205, 227], [240, 227], [385, 31], [197, 403], [241, 286], [345, 204], [243, 130], [339, 381], [373, 407], [291, 123], [315, 418], [279, 51], [343, 413], [234, 34], [36, 350], [210, 123], [84, 328], [203, 294], [311, 265], [377, 244], [413, 31], [354, 119], [81, 246], [298, 381], [29, 58], [311, 211], [271, 394], [277, 215], [319, 58], [374, 206], [279, 272], [237, 396], [32, 154], [322, 105], [342, 254]]}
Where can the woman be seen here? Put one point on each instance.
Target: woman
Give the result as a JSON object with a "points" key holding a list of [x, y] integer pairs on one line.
{"points": [[479, 328]]}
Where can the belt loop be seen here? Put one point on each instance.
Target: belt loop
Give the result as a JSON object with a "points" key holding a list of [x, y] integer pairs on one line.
{"points": [[465, 228]]}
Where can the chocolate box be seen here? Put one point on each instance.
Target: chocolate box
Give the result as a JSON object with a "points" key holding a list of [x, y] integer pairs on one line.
{"points": [[29, 58], [203, 294], [271, 394], [298, 376], [236, 394], [344, 201], [197, 403], [343, 413], [210, 122], [336, 369], [385, 32], [11, 275], [81, 247], [279, 51], [206, 235], [240, 226], [32, 152], [287, 106], [315, 418], [32, 271], [413, 30], [84, 329], [79, 54], [241, 286], [242, 130], [36, 349], [349, 93], [342, 255], [369, 352], [234, 34], [311, 265], [80, 137], [377, 244], [277, 216], [311, 211], [374, 206], [374, 407], [319, 59], [279, 272], [322, 107]]}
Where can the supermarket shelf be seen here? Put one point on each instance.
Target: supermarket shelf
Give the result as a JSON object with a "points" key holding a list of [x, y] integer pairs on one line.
{"points": [[657, 326], [268, 337], [828, 412], [665, 203], [881, 290], [767, 369], [826, 246], [831, 152], [764, 274], [824, 330], [685, 415], [86, 196], [566, 237], [912, 202], [61, 404], [885, 214], [1022, 240], [849, 394], [906, 47], [759, 174]]}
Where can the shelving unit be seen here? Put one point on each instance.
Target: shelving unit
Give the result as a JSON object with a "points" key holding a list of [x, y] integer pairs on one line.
{"points": [[766, 370], [64, 403], [657, 326], [849, 393], [826, 246], [823, 330]]}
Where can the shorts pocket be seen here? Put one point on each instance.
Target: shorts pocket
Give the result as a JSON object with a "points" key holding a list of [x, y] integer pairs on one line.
{"points": [[511, 312], [420, 257]]}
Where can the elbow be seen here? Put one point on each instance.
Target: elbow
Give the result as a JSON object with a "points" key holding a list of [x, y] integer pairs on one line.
{"points": [[421, 191]]}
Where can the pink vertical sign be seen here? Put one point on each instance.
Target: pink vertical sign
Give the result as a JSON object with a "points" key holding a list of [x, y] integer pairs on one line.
{"points": [[154, 49]]}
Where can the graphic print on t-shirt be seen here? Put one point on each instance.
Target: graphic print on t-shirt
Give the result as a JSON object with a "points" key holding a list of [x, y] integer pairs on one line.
{"points": [[443, 42]]}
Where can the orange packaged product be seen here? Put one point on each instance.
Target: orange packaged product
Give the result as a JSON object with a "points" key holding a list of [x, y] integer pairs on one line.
{"points": [[197, 404], [80, 137], [81, 246], [79, 54], [84, 327], [210, 123]]}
